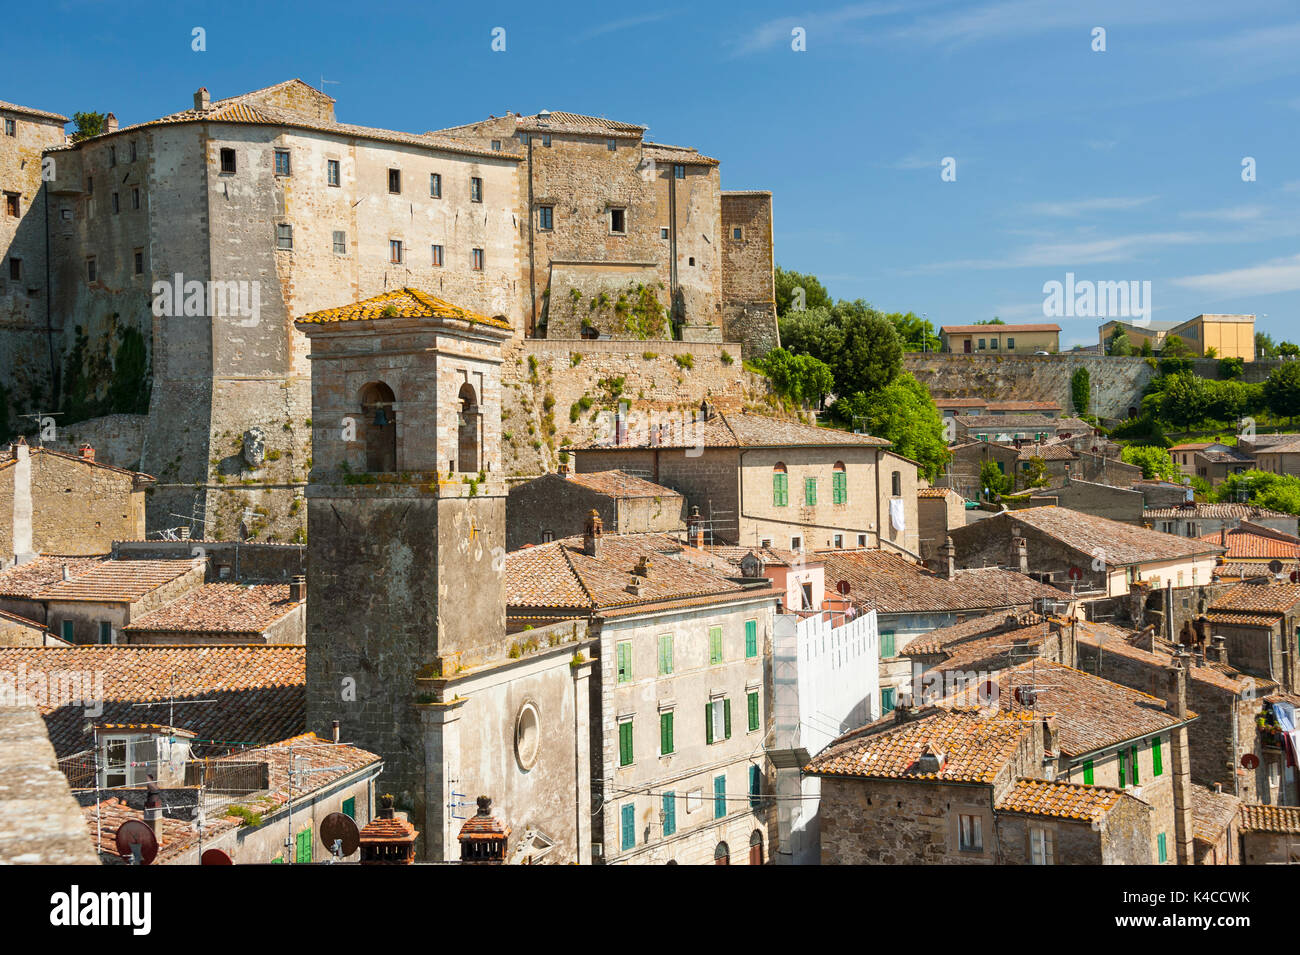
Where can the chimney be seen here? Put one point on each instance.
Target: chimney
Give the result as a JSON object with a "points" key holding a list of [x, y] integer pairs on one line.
{"points": [[695, 528], [153, 808], [1066, 480], [904, 710], [592, 532], [948, 559], [1176, 685], [66, 573], [706, 410], [201, 98], [335, 727], [388, 839], [483, 838], [110, 122], [1020, 555], [1223, 535], [184, 531], [1219, 649], [86, 452], [298, 589]]}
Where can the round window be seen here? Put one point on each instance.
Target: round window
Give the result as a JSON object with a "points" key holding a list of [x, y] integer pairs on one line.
{"points": [[527, 733]]}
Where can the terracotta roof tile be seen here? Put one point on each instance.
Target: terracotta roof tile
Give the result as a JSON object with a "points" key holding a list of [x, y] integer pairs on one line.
{"points": [[29, 579], [1248, 540], [744, 430], [1257, 818], [220, 608], [998, 329], [117, 581], [399, 303], [618, 483], [1201, 509], [1275, 598], [1212, 813], [43, 114], [1121, 543], [1114, 640], [1072, 801]]}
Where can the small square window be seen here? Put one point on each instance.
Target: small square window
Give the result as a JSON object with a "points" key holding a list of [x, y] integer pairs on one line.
{"points": [[691, 260], [332, 177], [12, 206], [135, 198], [227, 160], [340, 242], [11, 128], [395, 181], [679, 171], [284, 236], [477, 260], [735, 233], [546, 140], [139, 262], [611, 144], [618, 221], [395, 251], [437, 256], [475, 189], [862, 540], [496, 145], [15, 270], [91, 271], [435, 185], [545, 218], [282, 167], [663, 233]]}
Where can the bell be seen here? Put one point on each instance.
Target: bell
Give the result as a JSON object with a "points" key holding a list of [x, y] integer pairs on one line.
{"points": [[381, 419]]}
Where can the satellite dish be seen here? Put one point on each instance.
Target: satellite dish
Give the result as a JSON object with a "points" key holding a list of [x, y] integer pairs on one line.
{"points": [[1275, 566], [1076, 573], [215, 857], [136, 842], [843, 587], [340, 827], [1250, 761]]}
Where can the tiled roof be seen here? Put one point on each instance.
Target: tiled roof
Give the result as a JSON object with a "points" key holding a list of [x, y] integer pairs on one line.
{"points": [[618, 483], [936, 492], [257, 692], [936, 640], [399, 303], [975, 747], [960, 403], [43, 114], [990, 650], [744, 430], [1120, 543], [1230, 456], [1023, 406], [8, 458], [29, 579], [1255, 540], [1230, 570], [1287, 447], [174, 835], [1274, 597], [778, 556], [1212, 813], [319, 761], [117, 581], [559, 575], [992, 422], [220, 608], [1115, 641], [1266, 620], [1192, 446], [1053, 451], [998, 329], [1257, 818], [891, 583], [685, 155], [562, 122], [1200, 509], [1071, 801]]}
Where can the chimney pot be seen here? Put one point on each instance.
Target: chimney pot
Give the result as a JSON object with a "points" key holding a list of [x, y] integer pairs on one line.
{"points": [[948, 559], [298, 589], [335, 728], [87, 452], [66, 573], [592, 533], [201, 98], [110, 122]]}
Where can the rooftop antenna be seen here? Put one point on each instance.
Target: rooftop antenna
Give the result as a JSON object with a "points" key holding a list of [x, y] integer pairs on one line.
{"points": [[40, 417], [323, 81]]}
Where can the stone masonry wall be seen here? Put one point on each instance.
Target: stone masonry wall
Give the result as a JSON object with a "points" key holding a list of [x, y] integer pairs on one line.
{"points": [[748, 285]]}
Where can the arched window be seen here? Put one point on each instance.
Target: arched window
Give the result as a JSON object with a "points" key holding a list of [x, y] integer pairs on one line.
{"points": [[780, 486], [839, 484], [756, 847], [722, 855], [380, 424], [467, 431]]}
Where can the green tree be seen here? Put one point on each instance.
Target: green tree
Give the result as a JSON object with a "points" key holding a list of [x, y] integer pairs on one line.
{"points": [[1264, 347], [1230, 368], [1288, 350], [1118, 343], [1175, 347], [1146, 351], [903, 413], [1282, 390], [1185, 400], [1080, 390], [814, 293], [916, 333], [1279, 492], [990, 321], [801, 378], [1154, 462], [1035, 472], [814, 332], [87, 125], [870, 356], [993, 482]]}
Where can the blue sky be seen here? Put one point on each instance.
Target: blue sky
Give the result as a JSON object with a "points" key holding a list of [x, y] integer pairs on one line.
{"points": [[1118, 165]]}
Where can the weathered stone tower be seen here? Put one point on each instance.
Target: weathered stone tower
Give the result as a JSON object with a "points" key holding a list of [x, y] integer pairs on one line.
{"points": [[406, 632]]}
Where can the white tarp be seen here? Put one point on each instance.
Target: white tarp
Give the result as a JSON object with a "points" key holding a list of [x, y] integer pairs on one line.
{"points": [[897, 516]]}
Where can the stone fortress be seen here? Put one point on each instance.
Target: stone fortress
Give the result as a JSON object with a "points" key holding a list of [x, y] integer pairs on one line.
{"points": [[152, 275]]}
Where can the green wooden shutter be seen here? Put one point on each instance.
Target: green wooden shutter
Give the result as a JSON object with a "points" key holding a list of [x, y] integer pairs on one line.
{"points": [[625, 743], [1163, 847], [715, 645], [350, 807], [1157, 758], [887, 700], [1121, 769], [1087, 772], [719, 796], [840, 487], [304, 846], [666, 732], [887, 644], [624, 661], [1134, 767], [670, 813], [752, 700], [755, 786], [665, 654], [629, 826], [751, 638], [726, 718], [810, 491], [780, 489], [708, 722]]}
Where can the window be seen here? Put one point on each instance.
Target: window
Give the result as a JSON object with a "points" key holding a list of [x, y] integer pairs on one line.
{"points": [[1040, 846], [810, 491], [436, 251], [90, 191], [666, 733], [981, 344], [862, 540], [887, 644], [1011, 344], [332, 177], [625, 743], [11, 128], [11, 204], [1157, 758], [395, 181], [476, 260], [719, 796], [665, 654], [1133, 753], [618, 221], [670, 813], [839, 541], [717, 720], [751, 703], [546, 140], [350, 807], [755, 787], [679, 171], [15, 270], [302, 847], [796, 543], [1120, 756], [993, 344], [105, 632], [91, 273], [839, 484], [68, 630], [896, 484], [133, 151], [475, 189], [970, 833], [139, 261], [691, 260], [1162, 848], [1087, 772], [395, 251], [340, 242], [624, 659], [735, 233], [227, 161], [611, 144], [435, 185], [282, 162], [663, 233], [886, 700], [135, 198], [496, 145], [284, 236], [715, 646], [780, 486], [117, 204], [545, 218], [751, 639], [627, 816]]}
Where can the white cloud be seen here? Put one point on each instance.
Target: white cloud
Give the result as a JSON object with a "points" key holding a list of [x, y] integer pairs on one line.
{"points": [[1077, 207], [820, 27], [1275, 275]]}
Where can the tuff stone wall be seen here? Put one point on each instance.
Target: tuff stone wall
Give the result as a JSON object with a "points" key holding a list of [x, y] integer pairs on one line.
{"points": [[748, 282]]}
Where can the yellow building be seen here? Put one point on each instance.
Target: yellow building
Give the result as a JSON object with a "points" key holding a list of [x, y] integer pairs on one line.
{"points": [[1001, 339], [1231, 336]]}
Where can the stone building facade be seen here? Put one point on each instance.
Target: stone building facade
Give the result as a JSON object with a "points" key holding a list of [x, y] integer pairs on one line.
{"points": [[557, 505]]}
